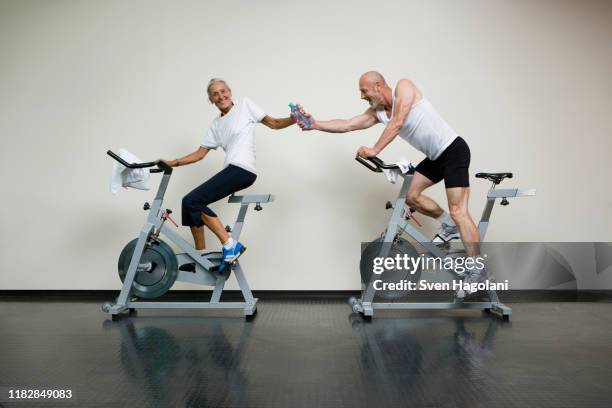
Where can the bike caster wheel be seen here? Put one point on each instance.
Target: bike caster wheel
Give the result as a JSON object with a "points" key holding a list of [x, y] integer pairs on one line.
{"points": [[355, 304], [106, 307]]}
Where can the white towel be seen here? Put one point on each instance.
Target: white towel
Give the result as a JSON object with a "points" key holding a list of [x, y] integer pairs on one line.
{"points": [[403, 164], [124, 177]]}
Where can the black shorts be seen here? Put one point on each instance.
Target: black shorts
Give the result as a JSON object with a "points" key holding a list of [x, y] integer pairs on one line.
{"points": [[452, 165]]}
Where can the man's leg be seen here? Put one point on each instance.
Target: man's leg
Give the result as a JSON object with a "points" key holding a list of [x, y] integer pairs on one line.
{"points": [[420, 202], [458, 198], [458, 203]]}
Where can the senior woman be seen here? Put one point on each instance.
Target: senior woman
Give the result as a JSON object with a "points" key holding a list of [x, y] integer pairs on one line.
{"points": [[233, 130]]}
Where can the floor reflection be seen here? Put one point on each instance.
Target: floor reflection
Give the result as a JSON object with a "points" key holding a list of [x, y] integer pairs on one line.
{"points": [[184, 361], [442, 361]]}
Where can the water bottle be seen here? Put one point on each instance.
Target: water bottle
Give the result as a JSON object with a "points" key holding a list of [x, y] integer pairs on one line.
{"points": [[299, 116]]}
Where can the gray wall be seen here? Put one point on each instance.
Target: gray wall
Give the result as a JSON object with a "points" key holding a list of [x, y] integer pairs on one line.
{"points": [[527, 83]]}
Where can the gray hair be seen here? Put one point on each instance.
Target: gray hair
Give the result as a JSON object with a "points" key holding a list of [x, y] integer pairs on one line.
{"points": [[214, 81]]}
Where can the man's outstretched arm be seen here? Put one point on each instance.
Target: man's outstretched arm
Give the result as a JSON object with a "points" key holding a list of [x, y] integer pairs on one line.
{"points": [[362, 121]]}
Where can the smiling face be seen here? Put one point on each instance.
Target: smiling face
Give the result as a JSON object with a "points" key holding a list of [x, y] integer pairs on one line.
{"points": [[221, 95], [371, 91]]}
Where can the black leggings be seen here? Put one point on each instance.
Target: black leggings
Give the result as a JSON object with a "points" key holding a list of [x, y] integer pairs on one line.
{"points": [[227, 181]]}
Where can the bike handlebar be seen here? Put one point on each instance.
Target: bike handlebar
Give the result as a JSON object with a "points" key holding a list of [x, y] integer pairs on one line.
{"points": [[378, 166], [160, 164]]}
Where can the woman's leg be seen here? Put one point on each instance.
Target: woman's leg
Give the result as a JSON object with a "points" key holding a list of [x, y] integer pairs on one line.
{"points": [[198, 237], [216, 226]]}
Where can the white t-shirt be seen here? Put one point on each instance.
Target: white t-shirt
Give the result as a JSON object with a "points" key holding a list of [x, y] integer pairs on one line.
{"points": [[424, 128], [235, 133]]}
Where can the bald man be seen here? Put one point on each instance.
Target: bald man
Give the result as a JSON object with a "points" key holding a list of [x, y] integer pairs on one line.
{"points": [[405, 112]]}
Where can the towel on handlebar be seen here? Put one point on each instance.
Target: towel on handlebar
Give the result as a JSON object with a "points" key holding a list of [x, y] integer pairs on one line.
{"points": [[124, 177], [403, 164]]}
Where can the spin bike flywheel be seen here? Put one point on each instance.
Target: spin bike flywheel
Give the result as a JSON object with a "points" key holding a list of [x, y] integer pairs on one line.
{"points": [[400, 247], [157, 269]]}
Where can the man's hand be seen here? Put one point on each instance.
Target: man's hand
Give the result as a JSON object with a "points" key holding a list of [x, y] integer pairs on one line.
{"points": [[367, 152], [301, 124]]}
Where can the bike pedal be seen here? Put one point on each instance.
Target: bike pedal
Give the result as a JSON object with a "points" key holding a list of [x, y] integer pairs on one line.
{"points": [[188, 267], [443, 245], [227, 267]]}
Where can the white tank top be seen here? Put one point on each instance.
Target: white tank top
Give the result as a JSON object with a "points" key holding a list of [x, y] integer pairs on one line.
{"points": [[424, 128]]}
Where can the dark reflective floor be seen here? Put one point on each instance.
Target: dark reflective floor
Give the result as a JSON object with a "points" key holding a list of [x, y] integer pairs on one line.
{"points": [[309, 354]]}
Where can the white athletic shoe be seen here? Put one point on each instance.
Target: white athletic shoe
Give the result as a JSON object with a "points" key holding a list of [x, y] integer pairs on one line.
{"points": [[474, 276], [446, 233], [459, 295]]}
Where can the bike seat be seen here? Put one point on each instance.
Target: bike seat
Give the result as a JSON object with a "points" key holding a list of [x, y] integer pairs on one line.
{"points": [[496, 178]]}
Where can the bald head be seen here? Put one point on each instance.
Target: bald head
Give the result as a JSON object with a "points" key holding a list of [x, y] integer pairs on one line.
{"points": [[371, 78], [374, 89]]}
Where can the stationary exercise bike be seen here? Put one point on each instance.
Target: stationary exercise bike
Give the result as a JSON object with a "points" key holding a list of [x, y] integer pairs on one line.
{"points": [[391, 243], [148, 266]]}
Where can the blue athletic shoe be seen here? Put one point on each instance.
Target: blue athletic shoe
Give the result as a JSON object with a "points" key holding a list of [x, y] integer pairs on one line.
{"points": [[232, 254]]}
